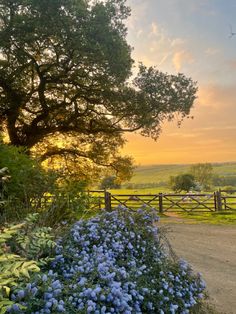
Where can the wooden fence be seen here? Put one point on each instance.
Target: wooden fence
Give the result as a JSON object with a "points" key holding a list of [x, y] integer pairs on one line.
{"points": [[165, 202], [228, 201]]}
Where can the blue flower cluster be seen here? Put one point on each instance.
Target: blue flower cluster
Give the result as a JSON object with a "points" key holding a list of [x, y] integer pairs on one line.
{"points": [[112, 263]]}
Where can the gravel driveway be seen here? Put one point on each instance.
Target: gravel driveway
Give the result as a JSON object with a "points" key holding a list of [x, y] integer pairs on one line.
{"points": [[211, 250]]}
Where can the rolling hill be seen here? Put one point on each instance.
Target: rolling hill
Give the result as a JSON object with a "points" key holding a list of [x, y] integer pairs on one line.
{"points": [[161, 173]]}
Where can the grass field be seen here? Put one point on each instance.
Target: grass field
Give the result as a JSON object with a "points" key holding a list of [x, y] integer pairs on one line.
{"points": [[225, 218], [162, 173], [141, 191]]}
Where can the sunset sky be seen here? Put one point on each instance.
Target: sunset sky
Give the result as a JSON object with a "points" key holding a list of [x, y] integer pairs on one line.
{"points": [[191, 37]]}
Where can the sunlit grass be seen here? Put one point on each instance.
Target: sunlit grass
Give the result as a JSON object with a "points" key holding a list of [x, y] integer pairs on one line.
{"points": [[225, 218], [141, 191]]}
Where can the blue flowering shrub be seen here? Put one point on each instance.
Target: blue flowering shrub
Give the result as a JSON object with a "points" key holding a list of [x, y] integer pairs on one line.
{"points": [[112, 263]]}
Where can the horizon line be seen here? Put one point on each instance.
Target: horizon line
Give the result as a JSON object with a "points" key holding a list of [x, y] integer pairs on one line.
{"points": [[185, 164]]}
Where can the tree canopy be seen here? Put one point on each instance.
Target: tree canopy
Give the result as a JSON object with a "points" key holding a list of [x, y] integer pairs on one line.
{"points": [[182, 182], [66, 85], [203, 174], [109, 182]]}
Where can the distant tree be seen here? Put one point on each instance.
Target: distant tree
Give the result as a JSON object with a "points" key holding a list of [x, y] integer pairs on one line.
{"points": [[109, 182], [203, 174], [182, 182], [224, 180], [65, 68]]}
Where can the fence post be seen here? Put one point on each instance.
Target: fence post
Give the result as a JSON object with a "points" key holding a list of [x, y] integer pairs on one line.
{"points": [[160, 203], [215, 200], [107, 201], [218, 201]]}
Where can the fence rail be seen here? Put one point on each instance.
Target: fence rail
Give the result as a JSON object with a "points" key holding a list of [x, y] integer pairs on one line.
{"points": [[162, 202], [166, 202], [188, 203], [229, 202]]}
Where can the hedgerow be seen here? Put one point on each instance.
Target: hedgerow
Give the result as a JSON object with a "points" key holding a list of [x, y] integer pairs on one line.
{"points": [[112, 263]]}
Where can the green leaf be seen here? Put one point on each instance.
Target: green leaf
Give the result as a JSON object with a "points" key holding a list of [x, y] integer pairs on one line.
{"points": [[4, 304], [6, 291], [9, 282]]}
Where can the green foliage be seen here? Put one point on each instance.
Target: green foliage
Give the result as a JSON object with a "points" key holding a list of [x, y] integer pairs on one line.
{"points": [[24, 248], [67, 203], [182, 182], [4, 304], [66, 91], [4, 177], [13, 268], [29, 188], [32, 241], [25, 180], [227, 178], [202, 173], [109, 182]]}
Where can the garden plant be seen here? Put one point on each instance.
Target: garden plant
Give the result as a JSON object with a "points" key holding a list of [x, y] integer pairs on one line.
{"points": [[114, 262]]}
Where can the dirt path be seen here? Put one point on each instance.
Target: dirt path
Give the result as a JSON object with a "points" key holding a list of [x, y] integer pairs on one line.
{"points": [[211, 250]]}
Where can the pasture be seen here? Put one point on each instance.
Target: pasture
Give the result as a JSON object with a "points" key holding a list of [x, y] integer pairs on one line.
{"points": [[161, 173], [219, 218]]}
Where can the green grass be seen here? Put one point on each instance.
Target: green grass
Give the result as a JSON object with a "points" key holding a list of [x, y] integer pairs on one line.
{"points": [[156, 173], [225, 218], [162, 173], [141, 191]]}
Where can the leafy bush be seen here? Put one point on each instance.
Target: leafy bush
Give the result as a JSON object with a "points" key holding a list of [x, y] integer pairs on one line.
{"points": [[69, 202], [113, 263], [4, 177], [26, 181], [23, 248], [32, 241], [27, 177], [30, 189]]}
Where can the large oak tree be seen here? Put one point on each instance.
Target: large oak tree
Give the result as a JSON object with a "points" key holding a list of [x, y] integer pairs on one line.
{"points": [[65, 73]]}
